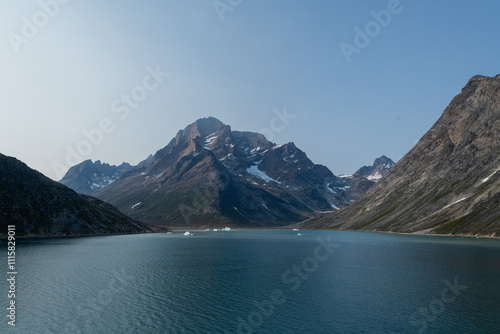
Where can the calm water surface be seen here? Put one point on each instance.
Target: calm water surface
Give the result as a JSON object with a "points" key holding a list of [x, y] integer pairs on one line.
{"points": [[257, 281]]}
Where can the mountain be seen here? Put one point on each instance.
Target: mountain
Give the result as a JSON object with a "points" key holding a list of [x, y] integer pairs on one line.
{"points": [[209, 174], [365, 177], [39, 206], [375, 172], [88, 177], [449, 183]]}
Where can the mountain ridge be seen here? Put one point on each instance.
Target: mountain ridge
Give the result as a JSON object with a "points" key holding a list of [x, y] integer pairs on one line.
{"points": [[88, 177]]}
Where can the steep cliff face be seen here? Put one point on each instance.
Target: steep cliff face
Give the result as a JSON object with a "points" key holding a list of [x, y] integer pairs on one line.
{"points": [[448, 183], [39, 206]]}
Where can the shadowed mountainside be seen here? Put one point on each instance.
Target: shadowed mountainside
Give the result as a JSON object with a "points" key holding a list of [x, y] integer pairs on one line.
{"points": [[39, 206]]}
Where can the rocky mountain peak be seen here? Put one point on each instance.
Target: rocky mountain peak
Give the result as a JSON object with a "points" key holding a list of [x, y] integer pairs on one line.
{"points": [[88, 177], [375, 172], [383, 161], [208, 126], [240, 177]]}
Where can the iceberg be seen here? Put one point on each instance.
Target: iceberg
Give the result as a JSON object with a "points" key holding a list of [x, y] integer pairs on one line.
{"points": [[295, 229], [188, 233], [226, 229]]}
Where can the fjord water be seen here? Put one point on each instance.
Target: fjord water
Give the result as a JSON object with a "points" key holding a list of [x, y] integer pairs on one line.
{"points": [[258, 281]]}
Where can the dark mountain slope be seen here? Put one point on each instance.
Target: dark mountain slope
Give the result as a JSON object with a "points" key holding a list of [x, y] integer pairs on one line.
{"points": [[39, 206]]}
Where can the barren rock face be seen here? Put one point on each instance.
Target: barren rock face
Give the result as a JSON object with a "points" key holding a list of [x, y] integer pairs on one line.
{"points": [[448, 182]]}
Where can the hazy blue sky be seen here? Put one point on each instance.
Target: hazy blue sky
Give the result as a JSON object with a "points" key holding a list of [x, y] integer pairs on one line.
{"points": [[68, 75]]}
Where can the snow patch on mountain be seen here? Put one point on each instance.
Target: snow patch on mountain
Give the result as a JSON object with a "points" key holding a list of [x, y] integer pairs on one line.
{"points": [[254, 170], [210, 139], [374, 177], [106, 181], [487, 179], [460, 200]]}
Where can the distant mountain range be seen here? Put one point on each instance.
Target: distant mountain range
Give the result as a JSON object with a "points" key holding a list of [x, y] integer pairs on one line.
{"points": [[88, 177], [365, 177], [209, 174], [448, 183], [38, 206]]}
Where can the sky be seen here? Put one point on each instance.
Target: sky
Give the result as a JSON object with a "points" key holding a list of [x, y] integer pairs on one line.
{"points": [[346, 81]]}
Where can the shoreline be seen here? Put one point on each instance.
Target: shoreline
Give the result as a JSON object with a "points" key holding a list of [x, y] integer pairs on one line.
{"points": [[204, 229], [426, 234]]}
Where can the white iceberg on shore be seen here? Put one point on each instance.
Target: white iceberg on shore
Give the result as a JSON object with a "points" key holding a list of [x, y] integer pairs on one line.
{"points": [[226, 229], [295, 229], [188, 233]]}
